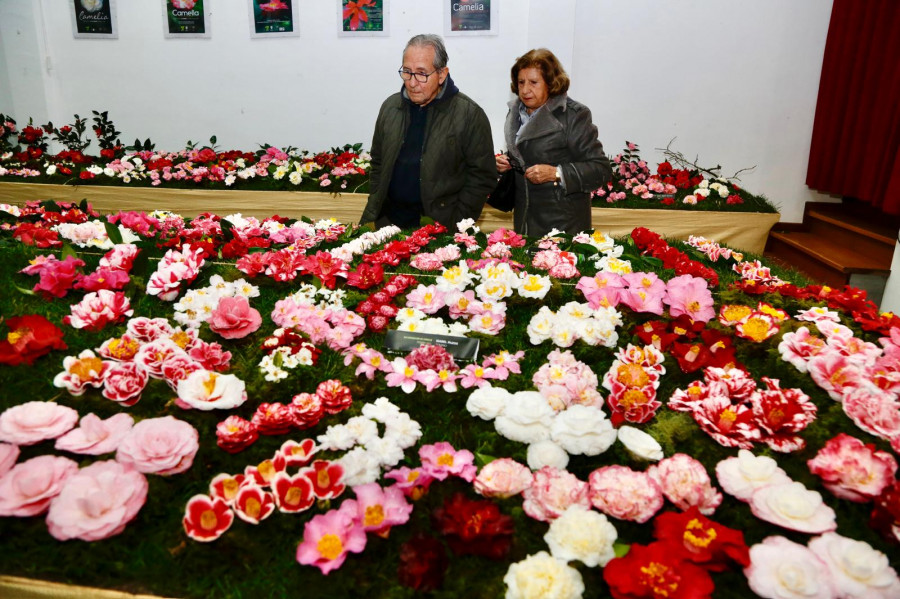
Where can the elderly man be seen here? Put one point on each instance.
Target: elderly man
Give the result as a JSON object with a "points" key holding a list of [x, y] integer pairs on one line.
{"points": [[432, 151]]}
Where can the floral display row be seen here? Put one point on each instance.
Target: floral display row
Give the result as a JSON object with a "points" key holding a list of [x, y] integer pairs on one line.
{"points": [[24, 156], [220, 406]]}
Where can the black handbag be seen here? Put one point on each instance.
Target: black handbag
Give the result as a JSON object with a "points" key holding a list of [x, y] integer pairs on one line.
{"points": [[503, 197]]}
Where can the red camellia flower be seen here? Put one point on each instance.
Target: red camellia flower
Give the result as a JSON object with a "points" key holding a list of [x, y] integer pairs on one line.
{"points": [[206, 518], [335, 396], [30, 337], [293, 494], [366, 276], [474, 526], [423, 562], [886, 513], [431, 357], [654, 571], [307, 410], [326, 478], [701, 540], [235, 434], [36, 235], [273, 419]]}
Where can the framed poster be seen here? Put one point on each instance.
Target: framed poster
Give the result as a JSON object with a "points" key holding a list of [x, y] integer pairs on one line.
{"points": [[186, 18], [94, 19], [274, 18], [471, 17], [363, 17]]}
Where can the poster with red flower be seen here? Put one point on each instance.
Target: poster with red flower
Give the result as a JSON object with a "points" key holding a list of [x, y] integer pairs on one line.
{"points": [[274, 18], [363, 18], [94, 19], [186, 18]]}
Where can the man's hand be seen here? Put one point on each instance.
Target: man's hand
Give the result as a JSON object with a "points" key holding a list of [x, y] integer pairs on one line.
{"points": [[541, 173], [503, 164]]}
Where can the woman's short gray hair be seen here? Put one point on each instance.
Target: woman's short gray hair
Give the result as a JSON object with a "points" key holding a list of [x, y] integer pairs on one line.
{"points": [[435, 41]]}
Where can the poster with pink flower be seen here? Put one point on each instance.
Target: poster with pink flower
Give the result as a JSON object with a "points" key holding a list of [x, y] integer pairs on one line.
{"points": [[186, 18], [274, 18]]}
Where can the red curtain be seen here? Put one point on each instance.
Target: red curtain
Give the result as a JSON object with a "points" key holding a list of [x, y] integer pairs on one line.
{"points": [[856, 134]]}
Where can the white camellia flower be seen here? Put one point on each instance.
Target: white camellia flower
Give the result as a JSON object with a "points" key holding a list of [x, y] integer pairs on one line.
{"points": [[744, 474], [858, 569], [540, 576], [206, 390], [782, 569], [583, 430], [487, 402], [360, 467], [336, 437], [793, 506], [582, 534], [526, 418], [640, 444], [534, 286], [541, 326], [546, 453]]}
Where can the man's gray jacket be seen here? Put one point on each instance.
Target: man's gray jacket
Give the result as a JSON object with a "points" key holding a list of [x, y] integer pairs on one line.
{"points": [[458, 169]]}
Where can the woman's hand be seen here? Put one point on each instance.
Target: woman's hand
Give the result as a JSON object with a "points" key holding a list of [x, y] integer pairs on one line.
{"points": [[503, 164], [541, 173]]}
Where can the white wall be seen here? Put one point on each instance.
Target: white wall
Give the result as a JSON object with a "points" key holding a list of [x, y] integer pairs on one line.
{"points": [[734, 81]]}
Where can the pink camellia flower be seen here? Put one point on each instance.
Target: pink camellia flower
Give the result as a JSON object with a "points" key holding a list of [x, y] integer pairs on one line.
{"points": [[643, 293], [293, 494], [145, 330], [121, 257], [623, 493], [98, 309], [307, 410], [97, 502], [427, 298], [327, 539], [685, 482], [401, 375], [27, 489], [124, 382], [441, 460], [552, 492], [380, 509], [225, 486], [603, 290], [793, 506], [781, 568], [835, 373], [205, 390], [689, 295], [35, 421], [9, 453], [853, 470], [780, 414], [81, 371], [160, 446], [233, 318], [335, 396], [235, 434], [876, 412], [414, 482], [273, 419], [103, 278], [211, 356], [503, 478], [152, 355], [176, 367], [253, 504], [326, 478], [206, 518], [95, 436]]}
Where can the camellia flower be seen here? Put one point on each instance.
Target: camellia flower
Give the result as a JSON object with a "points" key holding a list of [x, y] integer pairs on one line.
{"points": [[758, 327], [793, 506], [503, 478], [853, 470], [702, 541], [206, 518], [253, 504], [622, 493], [441, 460], [656, 571], [293, 494], [640, 444], [583, 430], [205, 390], [28, 488], [30, 337], [685, 482], [163, 446], [742, 475], [97, 502], [35, 421], [326, 478], [582, 534], [857, 569], [9, 453], [234, 434], [233, 318], [557, 579], [98, 309], [225, 486], [780, 568], [423, 562], [379, 509], [123, 382], [95, 436], [328, 538], [552, 492], [474, 527], [81, 371], [686, 294]]}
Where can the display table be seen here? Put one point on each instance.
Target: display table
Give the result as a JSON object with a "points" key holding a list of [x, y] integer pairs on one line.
{"points": [[745, 231]]}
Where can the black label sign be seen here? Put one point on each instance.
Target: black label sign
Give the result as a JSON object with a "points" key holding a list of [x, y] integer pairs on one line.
{"points": [[403, 342]]}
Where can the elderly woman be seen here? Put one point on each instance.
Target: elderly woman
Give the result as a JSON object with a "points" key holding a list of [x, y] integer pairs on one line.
{"points": [[553, 148]]}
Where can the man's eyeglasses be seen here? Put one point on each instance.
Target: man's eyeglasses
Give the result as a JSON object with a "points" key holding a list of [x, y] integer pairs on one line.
{"points": [[406, 75]]}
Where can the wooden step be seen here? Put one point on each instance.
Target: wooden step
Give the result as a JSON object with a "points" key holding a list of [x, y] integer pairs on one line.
{"points": [[846, 258], [853, 224]]}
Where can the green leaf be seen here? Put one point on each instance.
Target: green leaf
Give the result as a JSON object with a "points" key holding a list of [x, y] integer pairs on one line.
{"points": [[212, 140], [585, 249], [278, 360], [483, 459], [620, 549], [23, 291], [68, 250], [227, 229], [112, 231]]}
